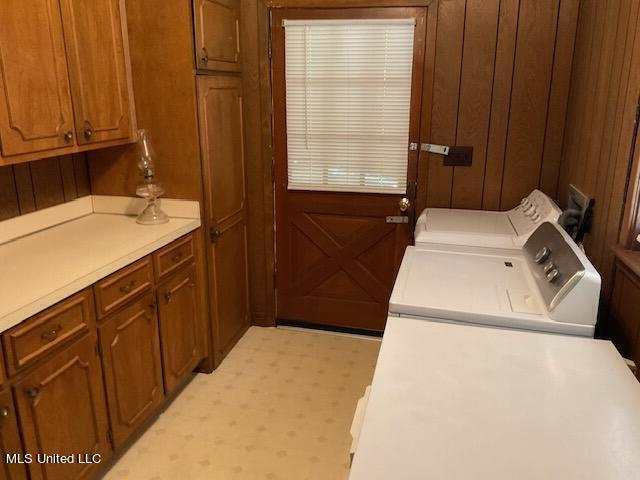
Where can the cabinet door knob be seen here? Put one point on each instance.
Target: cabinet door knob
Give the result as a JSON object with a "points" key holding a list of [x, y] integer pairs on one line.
{"points": [[176, 257], [88, 133], [51, 334], [128, 287], [33, 392], [168, 296], [4, 412], [204, 56], [68, 136]]}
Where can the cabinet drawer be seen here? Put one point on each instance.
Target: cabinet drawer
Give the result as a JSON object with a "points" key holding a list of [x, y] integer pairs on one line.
{"points": [[174, 256], [125, 284], [30, 340]]}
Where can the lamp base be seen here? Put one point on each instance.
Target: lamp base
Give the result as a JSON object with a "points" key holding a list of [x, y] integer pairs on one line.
{"points": [[152, 213]]}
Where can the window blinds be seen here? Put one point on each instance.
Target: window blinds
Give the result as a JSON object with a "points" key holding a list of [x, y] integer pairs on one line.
{"points": [[348, 94]]}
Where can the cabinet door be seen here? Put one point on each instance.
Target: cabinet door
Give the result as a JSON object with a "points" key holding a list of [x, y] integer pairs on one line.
{"points": [[221, 124], [61, 407], [35, 104], [130, 347], [217, 34], [97, 69], [181, 328], [9, 440]]}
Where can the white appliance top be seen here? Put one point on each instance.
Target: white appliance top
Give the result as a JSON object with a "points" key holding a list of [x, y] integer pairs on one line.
{"points": [[445, 226], [459, 402], [507, 289]]}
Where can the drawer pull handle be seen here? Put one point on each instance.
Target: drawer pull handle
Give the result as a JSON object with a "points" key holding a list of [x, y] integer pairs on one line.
{"points": [[33, 392], [51, 334], [4, 412], [128, 287], [168, 297], [177, 257]]}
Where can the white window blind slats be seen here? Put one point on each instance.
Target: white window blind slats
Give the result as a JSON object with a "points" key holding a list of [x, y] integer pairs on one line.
{"points": [[348, 93]]}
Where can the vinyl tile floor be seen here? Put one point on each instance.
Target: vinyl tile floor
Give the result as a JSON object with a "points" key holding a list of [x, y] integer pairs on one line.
{"points": [[279, 406]]}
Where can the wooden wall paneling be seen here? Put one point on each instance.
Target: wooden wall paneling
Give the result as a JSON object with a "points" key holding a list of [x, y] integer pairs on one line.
{"points": [[427, 99], [162, 62], [47, 183], [600, 121], [474, 108], [529, 98], [586, 43], [68, 176], [603, 170], [254, 165], [27, 187], [9, 206], [446, 90], [558, 97], [267, 158], [500, 103], [81, 174], [24, 188]]}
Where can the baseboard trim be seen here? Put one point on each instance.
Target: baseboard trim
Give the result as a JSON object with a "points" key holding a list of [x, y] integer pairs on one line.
{"points": [[329, 328]]}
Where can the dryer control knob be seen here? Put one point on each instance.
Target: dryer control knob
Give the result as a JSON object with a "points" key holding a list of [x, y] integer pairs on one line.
{"points": [[543, 254], [553, 275]]}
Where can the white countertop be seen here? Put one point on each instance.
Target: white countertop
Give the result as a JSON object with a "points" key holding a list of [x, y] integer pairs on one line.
{"points": [[42, 268], [465, 402]]}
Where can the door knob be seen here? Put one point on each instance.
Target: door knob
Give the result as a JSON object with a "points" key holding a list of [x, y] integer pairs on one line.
{"points": [[68, 136], [404, 204], [88, 133]]}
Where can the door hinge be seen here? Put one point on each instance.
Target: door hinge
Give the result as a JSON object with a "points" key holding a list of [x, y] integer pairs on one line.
{"points": [[214, 235], [269, 33], [98, 349]]}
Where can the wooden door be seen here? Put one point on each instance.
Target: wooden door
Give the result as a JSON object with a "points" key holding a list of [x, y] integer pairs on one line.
{"points": [[180, 326], [221, 137], [130, 345], [97, 69], [35, 105], [10, 440], [337, 253], [62, 409], [217, 29]]}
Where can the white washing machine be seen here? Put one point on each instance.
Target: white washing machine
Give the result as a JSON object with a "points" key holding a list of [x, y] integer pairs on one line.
{"points": [[548, 285], [484, 229]]}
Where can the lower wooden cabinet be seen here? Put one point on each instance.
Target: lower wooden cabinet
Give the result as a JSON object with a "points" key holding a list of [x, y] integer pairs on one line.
{"points": [[130, 347], [10, 440], [62, 410], [181, 326], [624, 324]]}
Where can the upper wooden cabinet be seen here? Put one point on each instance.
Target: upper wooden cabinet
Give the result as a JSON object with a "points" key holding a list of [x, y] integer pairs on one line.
{"points": [[64, 78], [217, 30], [35, 110], [97, 69]]}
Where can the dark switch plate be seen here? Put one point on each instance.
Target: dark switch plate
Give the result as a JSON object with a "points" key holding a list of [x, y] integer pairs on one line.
{"points": [[459, 157]]}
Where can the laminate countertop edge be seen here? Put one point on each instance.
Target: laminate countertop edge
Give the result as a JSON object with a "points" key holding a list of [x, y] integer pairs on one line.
{"points": [[630, 259], [95, 272]]}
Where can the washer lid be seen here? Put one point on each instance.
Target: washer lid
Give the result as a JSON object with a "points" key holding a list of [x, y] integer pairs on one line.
{"points": [[450, 284]]}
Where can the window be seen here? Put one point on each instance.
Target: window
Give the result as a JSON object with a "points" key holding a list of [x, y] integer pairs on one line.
{"points": [[348, 94]]}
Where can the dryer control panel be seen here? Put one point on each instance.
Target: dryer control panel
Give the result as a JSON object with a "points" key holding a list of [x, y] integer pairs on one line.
{"points": [[535, 209], [567, 281]]}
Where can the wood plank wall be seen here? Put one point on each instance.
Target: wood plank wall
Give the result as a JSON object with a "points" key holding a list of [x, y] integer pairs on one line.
{"points": [[501, 82], [605, 88], [498, 80], [32, 186]]}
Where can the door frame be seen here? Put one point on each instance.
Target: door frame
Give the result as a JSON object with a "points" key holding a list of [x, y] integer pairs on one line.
{"points": [[255, 29]]}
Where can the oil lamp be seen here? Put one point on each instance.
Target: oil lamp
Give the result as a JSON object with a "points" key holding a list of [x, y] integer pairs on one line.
{"points": [[149, 190]]}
